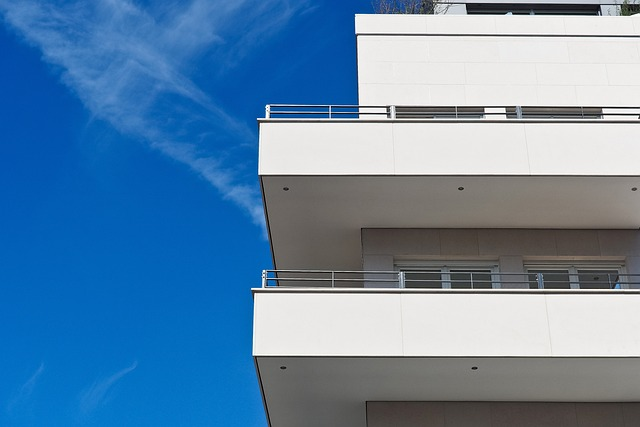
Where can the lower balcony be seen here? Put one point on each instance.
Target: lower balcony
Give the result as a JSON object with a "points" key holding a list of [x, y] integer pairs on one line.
{"points": [[323, 353]]}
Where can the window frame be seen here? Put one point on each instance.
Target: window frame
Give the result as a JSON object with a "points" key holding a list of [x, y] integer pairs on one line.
{"points": [[572, 271], [446, 271]]}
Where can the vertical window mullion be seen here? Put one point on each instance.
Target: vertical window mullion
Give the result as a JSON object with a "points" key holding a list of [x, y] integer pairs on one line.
{"points": [[446, 278]]}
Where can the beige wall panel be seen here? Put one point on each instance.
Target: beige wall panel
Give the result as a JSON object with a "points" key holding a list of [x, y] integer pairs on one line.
{"points": [[462, 414], [580, 243], [517, 242], [400, 241], [459, 242], [631, 414], [405, 414], [600, 414], [527, 414], [502, 414]]}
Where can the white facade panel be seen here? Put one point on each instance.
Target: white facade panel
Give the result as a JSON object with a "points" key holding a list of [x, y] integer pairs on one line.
{"points": [[447, 324], [605, 326], [500, 94], [549, 25], [588, 51], [325, 148], [428, 73], [461, 49], [573, 74], [578, 25], [568, 149], [498, 147], [299, 324], [553, 50], [442, 149], [503, 60], [394, 49], [488, 325]]}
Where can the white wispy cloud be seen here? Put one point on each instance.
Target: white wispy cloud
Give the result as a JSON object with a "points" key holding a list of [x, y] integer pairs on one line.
{"points": [[133, 67], [97, 394], [23, 394]]}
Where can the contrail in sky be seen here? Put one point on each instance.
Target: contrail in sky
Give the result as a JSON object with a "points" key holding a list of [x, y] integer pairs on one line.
{"points": [[131, 67]]}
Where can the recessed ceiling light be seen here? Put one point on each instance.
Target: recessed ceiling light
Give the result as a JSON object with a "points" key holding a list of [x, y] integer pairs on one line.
{"points": [[285, 188], [474, 368], [460, 188], [283, 367], [634, 189]]}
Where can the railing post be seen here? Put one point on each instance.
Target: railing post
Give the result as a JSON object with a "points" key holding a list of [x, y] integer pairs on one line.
{"points": [[456, 107], [329, 111], [471, 278], [518, 112], [392, 112], [267, 111], [264, 278], [333, 279], [401, 279], [540, 279]]}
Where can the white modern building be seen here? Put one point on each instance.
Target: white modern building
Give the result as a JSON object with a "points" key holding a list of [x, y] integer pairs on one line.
{"points": [[461, 249]]}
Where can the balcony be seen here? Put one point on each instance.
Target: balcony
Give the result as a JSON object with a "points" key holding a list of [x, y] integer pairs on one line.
{"points": [[325, 347], [328, 171]]}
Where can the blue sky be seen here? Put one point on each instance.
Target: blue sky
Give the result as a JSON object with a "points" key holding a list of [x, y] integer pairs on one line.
{"points": [[131, 226]]}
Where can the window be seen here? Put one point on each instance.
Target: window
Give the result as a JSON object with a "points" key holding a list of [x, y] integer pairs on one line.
{"points": [[450, 276], [439, 112], [576, 277], [532, 9], [569, 113]]}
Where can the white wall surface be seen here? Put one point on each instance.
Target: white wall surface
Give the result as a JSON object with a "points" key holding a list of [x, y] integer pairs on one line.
{"points": [[447, 324], [498, 60], [449, 148]]}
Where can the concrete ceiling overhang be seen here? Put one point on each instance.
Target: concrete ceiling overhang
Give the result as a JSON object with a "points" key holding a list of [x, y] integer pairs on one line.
{"points": [[333, 391], [315, 222]]}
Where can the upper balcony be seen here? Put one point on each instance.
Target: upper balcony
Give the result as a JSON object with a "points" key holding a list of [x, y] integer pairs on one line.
{"points": [[328, 172]]}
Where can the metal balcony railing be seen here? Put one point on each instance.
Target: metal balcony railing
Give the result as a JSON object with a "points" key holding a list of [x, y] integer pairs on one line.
{"points": [[414, 112], [430, 279]]}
